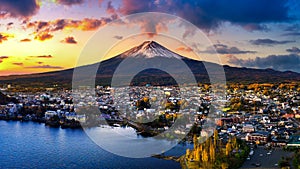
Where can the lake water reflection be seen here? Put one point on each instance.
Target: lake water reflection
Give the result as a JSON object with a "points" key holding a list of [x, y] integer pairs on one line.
{"points": [[33, 145]]}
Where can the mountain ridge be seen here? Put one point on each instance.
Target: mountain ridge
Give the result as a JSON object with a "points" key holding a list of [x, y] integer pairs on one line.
{"points": [[151, 50]]}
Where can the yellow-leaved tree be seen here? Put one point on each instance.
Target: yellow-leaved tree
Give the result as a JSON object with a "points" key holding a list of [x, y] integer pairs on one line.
{"points": [[204, 156], [228, 149]]}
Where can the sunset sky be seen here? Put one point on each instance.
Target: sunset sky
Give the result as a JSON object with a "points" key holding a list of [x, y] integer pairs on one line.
{"points": [[48, 35]]}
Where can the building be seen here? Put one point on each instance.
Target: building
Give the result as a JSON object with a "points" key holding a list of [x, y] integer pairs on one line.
{"points": [[248, 128], [258, 137], [294, 141], [49, 114]]}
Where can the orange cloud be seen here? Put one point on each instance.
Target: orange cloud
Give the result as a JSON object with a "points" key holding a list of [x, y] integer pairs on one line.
{"points": [[86, 24], [69, 40], [5, 37], [2, 58], [18, 63], [25, 40], [43, 36], [184, 49]]}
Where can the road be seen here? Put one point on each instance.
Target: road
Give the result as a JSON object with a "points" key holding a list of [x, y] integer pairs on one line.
{"points": [[267, 161]]}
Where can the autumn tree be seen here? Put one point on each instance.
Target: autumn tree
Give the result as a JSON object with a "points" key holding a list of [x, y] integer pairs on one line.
{"points": [[204, 156], [216, 137], [228, 149], [224, 166], [212, 153]]}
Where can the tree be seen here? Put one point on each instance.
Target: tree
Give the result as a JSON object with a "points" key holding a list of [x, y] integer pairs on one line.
{"points": [[234, 144], [195, 140], [197, 154], [188, 154], [216, 137], [212, 154], [224, 165], [228, 148], [204, 156]]}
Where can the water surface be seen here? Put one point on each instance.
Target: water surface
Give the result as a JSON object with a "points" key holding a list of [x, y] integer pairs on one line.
{"points": [[34, 145]]}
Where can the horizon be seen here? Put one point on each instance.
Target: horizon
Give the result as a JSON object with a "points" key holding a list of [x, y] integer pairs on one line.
{"points": [[126, 50]]}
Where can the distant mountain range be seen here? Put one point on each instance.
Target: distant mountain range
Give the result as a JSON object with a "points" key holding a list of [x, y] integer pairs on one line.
{"points": [[149, 51]]}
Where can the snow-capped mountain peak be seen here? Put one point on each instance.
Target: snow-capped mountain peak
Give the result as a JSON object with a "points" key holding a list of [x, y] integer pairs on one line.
{"points": [[150, 49]]}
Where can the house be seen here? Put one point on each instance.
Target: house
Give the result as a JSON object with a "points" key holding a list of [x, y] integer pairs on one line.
{"points": [[248, 128], [294, 141], [49, 114], [258, 137]]}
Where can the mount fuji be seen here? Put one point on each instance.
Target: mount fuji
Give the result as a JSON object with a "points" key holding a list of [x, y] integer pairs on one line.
{"points": [[149, 51]]}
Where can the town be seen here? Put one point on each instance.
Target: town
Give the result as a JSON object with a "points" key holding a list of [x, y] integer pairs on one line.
{"points": [[264, 116]]}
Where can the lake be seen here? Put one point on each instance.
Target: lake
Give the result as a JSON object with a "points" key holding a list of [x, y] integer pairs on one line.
{"points": [[34, 145]]}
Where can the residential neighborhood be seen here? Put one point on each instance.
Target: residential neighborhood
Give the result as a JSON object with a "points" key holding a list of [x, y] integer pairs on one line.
{"points": [[263, 116]]}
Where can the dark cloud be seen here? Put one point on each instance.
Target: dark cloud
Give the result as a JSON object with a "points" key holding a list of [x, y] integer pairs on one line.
{"points": [[18, 63], [4, 57], [118, 37], [69, 40], [57, 25], [41, 25], [278, 62], [110, 9], [132, 6], [42, 56], [45, 67], [292, 28], [25, 40], [43, 36], [69, 2], [18, 8], [291, 34], [255, 27], [150, 25], [9, 25], [209, 14], [269, 42], [224, 49], [293, 50], [4, 37]]}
